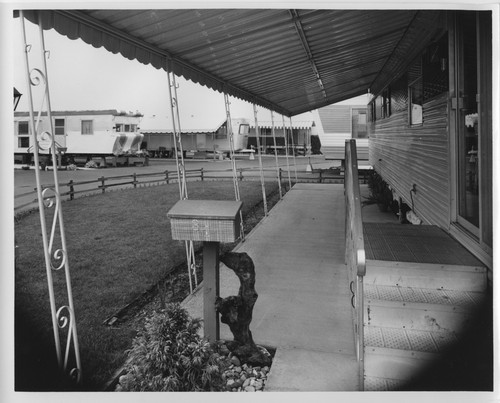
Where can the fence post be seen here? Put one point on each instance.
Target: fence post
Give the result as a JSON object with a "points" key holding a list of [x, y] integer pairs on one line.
{"points": [[280, 176], [320, 176], [241, 174], [202, 174], [135, 180], [71, 190], [102, 184], [166, 176]]}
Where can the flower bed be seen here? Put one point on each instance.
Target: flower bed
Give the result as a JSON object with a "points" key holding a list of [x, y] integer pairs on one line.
{"points": [[168, 354]]}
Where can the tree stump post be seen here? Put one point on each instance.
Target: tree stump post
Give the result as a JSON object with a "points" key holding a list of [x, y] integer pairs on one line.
{"points": [[237, 311]]}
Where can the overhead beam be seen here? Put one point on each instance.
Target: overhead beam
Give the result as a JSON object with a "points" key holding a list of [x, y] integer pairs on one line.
{"points": [[302, 36]]}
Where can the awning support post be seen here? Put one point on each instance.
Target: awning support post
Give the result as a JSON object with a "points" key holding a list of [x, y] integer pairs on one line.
{"points": [[230, 135], [56, 258], [286, 153], [181, 169], [257, 136], [293, 148], [278, 174]]}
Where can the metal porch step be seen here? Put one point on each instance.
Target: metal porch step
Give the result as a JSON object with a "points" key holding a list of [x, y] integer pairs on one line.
{"points": [[407, 339], [426, 275], [396, 366], [419, 309]]}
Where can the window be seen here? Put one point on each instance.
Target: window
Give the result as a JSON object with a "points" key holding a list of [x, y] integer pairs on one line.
{"points": [[359, 124], [23, 142], [87, 127], [386, 103], [59, 126], [415, 93], [435, 69], [23, 128], [399, 94], [244, 129], [371, 110], [127, 128]]}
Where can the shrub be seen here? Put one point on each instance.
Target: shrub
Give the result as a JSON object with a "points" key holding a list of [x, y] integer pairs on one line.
{"points": [[315, 144], [91, 164], [380, 192], [169, 355]]}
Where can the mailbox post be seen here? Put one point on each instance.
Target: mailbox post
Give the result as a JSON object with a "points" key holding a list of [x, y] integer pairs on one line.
{"points": [[210, 221]]}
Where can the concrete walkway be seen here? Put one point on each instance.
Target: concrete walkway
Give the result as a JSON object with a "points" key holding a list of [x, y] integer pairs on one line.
{"points": [[303, 309]]}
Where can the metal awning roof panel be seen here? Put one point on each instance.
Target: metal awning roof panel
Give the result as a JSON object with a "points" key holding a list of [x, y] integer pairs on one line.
{"points": [[290, 61]]}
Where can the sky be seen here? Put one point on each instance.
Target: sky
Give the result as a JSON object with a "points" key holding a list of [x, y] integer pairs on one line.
{"points": [[82, 77]]}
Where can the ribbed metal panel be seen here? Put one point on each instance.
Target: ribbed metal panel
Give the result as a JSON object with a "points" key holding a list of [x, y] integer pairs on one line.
{"points": [[291, 61], [336, 118], [423, 151]]}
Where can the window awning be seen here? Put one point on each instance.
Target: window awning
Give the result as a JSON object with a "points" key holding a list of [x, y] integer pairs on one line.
{"points": [[289, 61]]}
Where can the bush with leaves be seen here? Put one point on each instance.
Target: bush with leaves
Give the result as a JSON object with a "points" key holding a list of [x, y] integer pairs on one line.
{"points": [[91, 164], [169, 355]]}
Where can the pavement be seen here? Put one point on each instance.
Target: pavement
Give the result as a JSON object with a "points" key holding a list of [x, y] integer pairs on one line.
{"points": [[303, 309]]}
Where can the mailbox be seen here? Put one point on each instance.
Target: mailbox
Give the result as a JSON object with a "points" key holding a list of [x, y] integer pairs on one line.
{"points": [[205, 220], [210, 221]]}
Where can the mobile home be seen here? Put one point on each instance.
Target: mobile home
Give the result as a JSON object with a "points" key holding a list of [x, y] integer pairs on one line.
{"points": [[298, 138], [81, 134], [336, 124], [430, 130], [160, 142]]}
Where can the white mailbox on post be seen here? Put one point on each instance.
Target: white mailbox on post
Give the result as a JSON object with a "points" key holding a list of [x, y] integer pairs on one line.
{"points": [[210, 221]]}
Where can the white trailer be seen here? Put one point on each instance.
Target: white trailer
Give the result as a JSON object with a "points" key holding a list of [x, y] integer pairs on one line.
{"points": [[81, 134], [201, 140]]}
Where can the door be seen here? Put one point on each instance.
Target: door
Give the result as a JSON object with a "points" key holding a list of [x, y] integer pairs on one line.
{"points": [[468, 153], [473, 103]]}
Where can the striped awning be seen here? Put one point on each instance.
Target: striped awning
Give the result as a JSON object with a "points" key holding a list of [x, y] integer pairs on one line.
{"points": [[287, 60]]}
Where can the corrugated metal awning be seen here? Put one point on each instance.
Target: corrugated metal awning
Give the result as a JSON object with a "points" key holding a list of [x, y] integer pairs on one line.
{"points": [[278, 124], [290, 61], [160, 132]]}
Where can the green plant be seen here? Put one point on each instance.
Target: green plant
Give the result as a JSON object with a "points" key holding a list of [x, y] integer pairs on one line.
{"points": [[380, 193], [91, 164], [315, 144], [169, 355]]}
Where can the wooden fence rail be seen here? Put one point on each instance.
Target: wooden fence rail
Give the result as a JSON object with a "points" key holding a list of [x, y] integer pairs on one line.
{"points": [[103, 183]]}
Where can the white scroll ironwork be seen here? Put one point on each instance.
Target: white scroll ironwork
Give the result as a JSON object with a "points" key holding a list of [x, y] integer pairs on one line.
{"points": [[181, 169], [259, 154], [293, 149], [278, 171], [56, 257], [286, 153], [230, 136]]}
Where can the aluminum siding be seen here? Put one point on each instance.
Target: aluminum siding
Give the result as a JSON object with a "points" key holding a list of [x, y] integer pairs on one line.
{"points": [[419, 155]]}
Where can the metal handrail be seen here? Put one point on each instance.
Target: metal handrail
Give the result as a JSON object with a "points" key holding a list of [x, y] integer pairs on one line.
{"points": [[355, 249]]}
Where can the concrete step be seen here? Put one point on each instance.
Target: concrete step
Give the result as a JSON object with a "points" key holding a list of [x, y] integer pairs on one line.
{"points": [[426, 275], [419, 309]]}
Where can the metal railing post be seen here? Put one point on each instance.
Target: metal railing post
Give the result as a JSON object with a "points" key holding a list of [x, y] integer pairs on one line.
{"points": [[355, 250]]}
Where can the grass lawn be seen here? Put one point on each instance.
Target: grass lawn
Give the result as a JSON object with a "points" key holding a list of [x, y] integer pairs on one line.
{"points": [[119, 245]]}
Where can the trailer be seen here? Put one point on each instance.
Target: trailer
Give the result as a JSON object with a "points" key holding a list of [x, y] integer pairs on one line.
{"points": [[106, 136], [338, 122], [201, 142]]}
